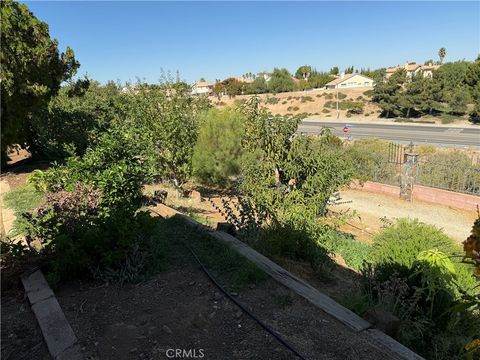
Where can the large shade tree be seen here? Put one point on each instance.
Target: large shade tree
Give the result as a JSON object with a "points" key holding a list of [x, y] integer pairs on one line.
{"points": [[31, 71]]}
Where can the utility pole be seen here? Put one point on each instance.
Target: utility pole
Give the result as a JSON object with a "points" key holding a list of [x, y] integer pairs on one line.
{"points": [[338, 113]]}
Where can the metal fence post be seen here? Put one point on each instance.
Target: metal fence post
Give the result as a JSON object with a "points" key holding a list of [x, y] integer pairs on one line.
{"points": [[408, 175]]}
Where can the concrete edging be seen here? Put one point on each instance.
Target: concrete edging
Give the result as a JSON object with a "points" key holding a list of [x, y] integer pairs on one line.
{"points": [[57, 332]]}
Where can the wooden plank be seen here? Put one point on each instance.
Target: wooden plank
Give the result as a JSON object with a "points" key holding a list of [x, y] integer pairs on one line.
{"points": [[294, 283], [384, 341]]}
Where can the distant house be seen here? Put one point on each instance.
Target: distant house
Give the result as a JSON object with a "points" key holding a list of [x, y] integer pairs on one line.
{"points": [[413, 69], [202, 88], [350, 81]]}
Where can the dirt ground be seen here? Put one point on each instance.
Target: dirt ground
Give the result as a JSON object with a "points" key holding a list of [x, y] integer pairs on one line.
{"points": [[371, 207], [21, 336], [181, 309]]}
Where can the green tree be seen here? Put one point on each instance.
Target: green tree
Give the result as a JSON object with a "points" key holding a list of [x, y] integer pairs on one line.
{"points": [[334, 70], [458, 99], [167, 123], [319, 79], [76, 116], [218, 151], [32, 70], [281, 81], [303, 72], [441, 54], [288, 178], [231, 87], [388, 94], [258, 86], [349, 70]]}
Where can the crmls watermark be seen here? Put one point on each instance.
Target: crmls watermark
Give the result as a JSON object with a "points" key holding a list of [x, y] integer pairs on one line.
{"points": [[185, 353]]}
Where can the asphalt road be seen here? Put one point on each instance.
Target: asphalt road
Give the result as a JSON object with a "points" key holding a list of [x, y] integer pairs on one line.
{"points": [[418, 134]]}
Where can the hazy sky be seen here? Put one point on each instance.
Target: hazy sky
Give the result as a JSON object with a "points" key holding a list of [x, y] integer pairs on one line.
{"points": [[122, 40]]}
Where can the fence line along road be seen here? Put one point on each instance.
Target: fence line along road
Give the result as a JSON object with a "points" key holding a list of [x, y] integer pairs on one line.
{"points": [[459, 137]]}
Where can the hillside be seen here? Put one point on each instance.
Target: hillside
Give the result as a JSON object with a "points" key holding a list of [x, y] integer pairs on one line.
{"points": [[322, 103], [313, 102]]}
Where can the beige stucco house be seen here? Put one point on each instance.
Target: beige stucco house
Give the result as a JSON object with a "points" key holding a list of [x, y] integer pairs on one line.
{"points": [[202, 88], [413, 69], [350, 81]]}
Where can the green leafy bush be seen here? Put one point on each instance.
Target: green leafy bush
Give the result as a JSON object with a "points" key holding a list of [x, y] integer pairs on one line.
{"points": [[401, 243], [433, 281], [218, 151], [354, 252]]}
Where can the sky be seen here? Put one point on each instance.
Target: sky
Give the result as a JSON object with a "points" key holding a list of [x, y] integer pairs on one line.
{"points": [[121, 40]]}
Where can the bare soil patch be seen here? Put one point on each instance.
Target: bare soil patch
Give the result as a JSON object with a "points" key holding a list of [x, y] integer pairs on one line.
{"points": [[21, 335], [181, 309]]}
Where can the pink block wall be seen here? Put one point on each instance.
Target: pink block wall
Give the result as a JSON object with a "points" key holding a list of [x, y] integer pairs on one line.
{"points": [[427, 194]]}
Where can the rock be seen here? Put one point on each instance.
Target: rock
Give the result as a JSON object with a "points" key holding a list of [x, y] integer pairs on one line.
{"points": [[234, 294], [217, 296], [194, 194], [238, 314], [383, 320], [191, 283], [211, 315], [167, 329], [133, 350]]}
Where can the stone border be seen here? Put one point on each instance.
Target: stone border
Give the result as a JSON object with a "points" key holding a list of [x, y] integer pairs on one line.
{"points": [[57, 332], [377, 338]]}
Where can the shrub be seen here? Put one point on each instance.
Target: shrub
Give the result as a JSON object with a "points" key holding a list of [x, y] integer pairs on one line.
{"points": [[284, 102], [453, 171], [341, 96], [328, 96], [306, 98], [330, 104], [401, 243], [218, 152], [115, 167], [370, 159], [354, 107], [272, 100], [293, 108], [422, 258], [368, 93], [325, 111], [354, 252]]}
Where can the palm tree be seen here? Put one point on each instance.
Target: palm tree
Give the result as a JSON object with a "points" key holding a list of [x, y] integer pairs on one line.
{"points": [[441, 54]]}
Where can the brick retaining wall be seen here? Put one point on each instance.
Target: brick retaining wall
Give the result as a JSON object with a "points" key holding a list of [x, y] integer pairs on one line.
{"points": [[425, 193]]}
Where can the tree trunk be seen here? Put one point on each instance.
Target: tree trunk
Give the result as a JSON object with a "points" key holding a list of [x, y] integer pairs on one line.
{"points": [[408, 112], [177, 193]]}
